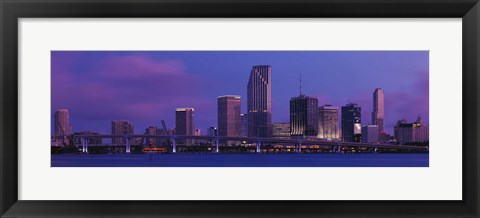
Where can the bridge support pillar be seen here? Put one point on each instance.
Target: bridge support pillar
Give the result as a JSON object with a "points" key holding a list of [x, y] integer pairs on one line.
{"points": [[174, 145], [127, 143], [83, 144], [216, 146], [86, 145], [258, 147]]}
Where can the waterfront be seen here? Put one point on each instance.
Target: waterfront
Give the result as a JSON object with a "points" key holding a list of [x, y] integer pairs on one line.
{"points": [[242, 160]]}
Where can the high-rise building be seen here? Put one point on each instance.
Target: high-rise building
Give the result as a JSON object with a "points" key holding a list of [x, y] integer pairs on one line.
{"points": [[304, 116], [411, 132], [259, 101], [328, 122], [370, 133], [243, 125], [62, 123], [184, 123], [229, 122], [152, 131], [351, 123], [62, 127], [121, 127], [281, 130], [378, 113]]}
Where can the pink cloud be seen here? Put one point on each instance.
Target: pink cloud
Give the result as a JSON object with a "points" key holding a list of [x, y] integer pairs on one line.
{"points": [[123, 87], [138, 66]]}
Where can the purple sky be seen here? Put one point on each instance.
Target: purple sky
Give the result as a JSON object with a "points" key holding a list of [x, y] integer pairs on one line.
{"points": [[145, 87]]}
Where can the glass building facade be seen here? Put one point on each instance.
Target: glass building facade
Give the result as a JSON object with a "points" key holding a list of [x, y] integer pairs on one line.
{"points": [[259, 101], [351, 123], [303, 116]]}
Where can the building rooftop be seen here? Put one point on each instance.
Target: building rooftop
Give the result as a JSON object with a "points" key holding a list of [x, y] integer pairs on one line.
{"points": [[184, 109], [229, 96]]}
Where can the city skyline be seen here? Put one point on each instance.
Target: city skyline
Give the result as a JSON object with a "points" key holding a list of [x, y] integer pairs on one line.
{"points": [[68, 69]]}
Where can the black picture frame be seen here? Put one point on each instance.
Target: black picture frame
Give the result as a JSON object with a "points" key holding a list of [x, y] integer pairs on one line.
{"points": [[12, 10]]}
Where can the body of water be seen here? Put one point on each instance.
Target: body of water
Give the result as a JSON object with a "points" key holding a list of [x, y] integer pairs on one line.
{"points": [[242, 160]]}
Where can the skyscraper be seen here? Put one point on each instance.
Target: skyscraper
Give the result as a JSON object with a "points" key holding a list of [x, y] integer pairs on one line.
{"points": [[121, 127], [259, 101], [303, 116], [328, 122], [184, 123], [152, 131], [229, 122], [351, 123], [378, 109], [62, 126], [62, 123]]}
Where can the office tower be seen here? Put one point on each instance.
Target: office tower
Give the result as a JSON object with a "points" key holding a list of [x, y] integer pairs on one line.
{"points": [[304, 116], [351, 123], [369, 133], [378, 109], [212, 131], [62, 123], [184, 124], [62, 127], [121, 127], [152, 131], [229, 122], [328, 122], [259, 102], [406, 132], [243, 125], [281, 130]]}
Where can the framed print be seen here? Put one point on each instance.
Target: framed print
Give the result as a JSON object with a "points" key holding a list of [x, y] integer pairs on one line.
{"points": [[227, 108]]}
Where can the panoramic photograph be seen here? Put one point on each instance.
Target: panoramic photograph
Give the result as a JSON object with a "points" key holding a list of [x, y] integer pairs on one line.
{"points": [[239, 109]]}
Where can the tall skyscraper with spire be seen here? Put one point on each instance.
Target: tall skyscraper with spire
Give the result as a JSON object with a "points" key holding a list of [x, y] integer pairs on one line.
{"points": [[259, 101], [303, 115], [378, 109]]}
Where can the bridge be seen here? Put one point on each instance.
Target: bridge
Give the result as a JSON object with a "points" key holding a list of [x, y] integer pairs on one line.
{"points": [[335, 146]]}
